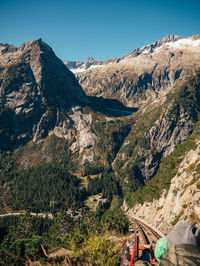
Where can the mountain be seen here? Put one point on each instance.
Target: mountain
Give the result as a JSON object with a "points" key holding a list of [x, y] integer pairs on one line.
{"points": [[145, 79], [178, 199], [47, 126], [48, 119], [145, 75], [129, 132], [89, 64], [35, 85]]}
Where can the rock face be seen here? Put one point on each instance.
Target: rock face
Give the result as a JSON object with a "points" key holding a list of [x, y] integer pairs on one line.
{"points": [[181, 202], [143, 75], [34, 85], [159, 83], [78, 125], [39, 95], [160, 129]]}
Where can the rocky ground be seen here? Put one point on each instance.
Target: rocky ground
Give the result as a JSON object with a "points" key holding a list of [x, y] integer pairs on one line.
{"points": [[182, 201]]}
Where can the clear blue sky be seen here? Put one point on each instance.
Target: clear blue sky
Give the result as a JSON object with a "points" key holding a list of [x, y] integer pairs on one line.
{"points": [[77, 29]]}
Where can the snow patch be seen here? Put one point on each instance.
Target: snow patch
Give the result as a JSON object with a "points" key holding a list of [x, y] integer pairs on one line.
{"points": [[79, 70], [184, 43], [180, 44], [146, 52]]}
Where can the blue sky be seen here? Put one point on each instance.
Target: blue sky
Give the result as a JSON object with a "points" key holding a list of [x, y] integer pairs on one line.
{"points": [[77, 29]]}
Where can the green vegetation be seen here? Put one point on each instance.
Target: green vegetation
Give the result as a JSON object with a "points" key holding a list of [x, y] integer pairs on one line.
{"points": [[167, 170], [92, 168], [87, 240], [107, 184], [20, 243], [175, 221], [53, 150], [185, 99], [111, 135], [198, 168], [194, 218], [40, 224], [39, 177], [45, 188], [114, 217]]}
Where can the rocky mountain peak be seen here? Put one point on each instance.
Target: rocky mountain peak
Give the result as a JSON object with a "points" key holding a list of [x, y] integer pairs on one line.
{"points": [[6, 48], [147, 72], [35, 84], [150, 47], [90, 61], [195, 37], [168, 38]]}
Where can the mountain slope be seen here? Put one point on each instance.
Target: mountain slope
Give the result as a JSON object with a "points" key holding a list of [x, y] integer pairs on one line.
{"points": [[47, 121], [61, 149], [144, 75], [173, 195], [34, 83], [47, 130], [158, 132]]}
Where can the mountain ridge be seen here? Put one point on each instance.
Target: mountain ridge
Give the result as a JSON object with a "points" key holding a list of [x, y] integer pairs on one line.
{"points": [[43, 105], [145, 74]]}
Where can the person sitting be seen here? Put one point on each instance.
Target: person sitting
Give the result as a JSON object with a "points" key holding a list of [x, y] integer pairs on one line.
{"points": [[181, 247]]}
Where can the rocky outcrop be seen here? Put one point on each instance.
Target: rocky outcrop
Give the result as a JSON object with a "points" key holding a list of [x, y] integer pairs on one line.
{"points": [[78, 125], [181, 202], [161, 129], [166, 134], [40, 95]]}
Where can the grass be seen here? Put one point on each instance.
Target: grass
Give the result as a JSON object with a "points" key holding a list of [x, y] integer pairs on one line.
{"points": [[198, 168], [194, 218], [191, 167], [177, 218], [92, 204], [193, 181], [84, 179]]}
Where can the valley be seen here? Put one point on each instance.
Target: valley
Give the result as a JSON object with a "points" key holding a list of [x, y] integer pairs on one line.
{"points": [[91, 137]]}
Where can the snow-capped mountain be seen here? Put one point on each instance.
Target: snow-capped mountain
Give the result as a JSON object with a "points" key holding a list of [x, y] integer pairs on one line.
{"points": [[142, 76], [89, 64]]}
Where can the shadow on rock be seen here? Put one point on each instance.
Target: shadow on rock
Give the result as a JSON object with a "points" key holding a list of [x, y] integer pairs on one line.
{"points": [[110, 107]]}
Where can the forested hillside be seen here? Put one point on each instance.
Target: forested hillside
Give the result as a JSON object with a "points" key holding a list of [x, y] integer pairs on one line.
{"points": [[78, 157]]}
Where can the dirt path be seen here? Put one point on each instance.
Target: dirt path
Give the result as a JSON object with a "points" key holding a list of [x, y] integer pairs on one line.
{"points": [[43, 215]]}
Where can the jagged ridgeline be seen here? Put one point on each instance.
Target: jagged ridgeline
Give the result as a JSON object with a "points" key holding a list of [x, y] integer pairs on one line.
{"points": [[84, 149], [51, 133], [59, 146]]}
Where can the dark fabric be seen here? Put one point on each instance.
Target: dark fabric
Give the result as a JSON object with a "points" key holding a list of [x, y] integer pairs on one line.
{"points": [[128, 253], [180, 255], [184, 233], [145, 255]]}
